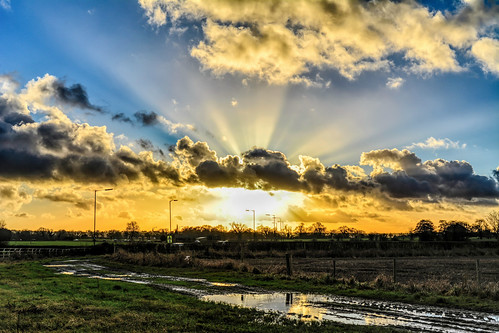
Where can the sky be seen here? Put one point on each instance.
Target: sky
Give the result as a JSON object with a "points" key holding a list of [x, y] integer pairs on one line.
{"points": [[367, 114]]}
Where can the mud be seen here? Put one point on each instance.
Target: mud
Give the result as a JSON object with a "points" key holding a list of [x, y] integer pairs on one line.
{"points": [[306, 307]]}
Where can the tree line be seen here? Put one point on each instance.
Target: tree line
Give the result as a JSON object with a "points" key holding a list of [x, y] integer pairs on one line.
{"points": [[425, 230]]}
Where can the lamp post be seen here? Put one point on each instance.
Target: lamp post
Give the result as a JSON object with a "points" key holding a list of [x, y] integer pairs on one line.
{"points": [[95, 207], [254, 225], [274, 217], [252, 210], [170, 206]]}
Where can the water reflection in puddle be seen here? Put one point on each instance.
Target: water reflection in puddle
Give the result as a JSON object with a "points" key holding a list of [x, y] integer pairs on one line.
{"points": [[304, 307], [348, 310]]}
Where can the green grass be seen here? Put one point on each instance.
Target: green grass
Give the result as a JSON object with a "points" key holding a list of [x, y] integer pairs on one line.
{"points": [[35, 299], [78, 243], [324, 284]]}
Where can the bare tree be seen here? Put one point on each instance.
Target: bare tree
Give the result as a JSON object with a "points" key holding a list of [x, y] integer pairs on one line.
{"points": [[318, 229], [238, 228], [132, 229], [2, 224], [493, 221]]}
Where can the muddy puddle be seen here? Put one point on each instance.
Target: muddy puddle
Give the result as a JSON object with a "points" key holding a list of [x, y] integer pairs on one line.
{"points": [[306, 307], [350, 310]]}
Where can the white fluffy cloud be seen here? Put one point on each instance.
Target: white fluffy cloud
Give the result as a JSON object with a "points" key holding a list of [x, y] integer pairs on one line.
{"points": [[282, 41], [486, 50], [432, 143], [395, 82]]}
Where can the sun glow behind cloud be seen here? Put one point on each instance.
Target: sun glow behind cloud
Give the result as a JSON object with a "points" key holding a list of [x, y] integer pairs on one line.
{"points": [[235, 201]]}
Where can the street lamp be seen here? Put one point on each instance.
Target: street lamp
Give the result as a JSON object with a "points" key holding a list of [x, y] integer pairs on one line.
{"points": [[95, 206], [252, 210], [254, 225], [274, 217], [170, 206]]}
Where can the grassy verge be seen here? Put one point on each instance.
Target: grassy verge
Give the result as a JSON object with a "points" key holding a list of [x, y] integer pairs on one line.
{"points": [[35, 299], [470, 295], [54, 243]]}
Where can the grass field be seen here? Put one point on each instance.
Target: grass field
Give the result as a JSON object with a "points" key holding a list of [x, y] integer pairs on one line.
{"points": [[78, 243], [462, 294], [35, 299]]}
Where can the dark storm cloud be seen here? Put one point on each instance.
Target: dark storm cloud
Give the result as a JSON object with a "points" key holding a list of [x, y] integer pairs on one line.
{"points": [[11, 113], [270, 170], [60, 196], [146, 118], [75, 95], [121, 117], [25, 165], [258, 169], [439, 178], [57, 149], [145, 144]]}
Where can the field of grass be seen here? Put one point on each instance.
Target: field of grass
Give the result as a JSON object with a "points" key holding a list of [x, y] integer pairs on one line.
{"points": [[78, 243], [465, 295], [35, 299]]}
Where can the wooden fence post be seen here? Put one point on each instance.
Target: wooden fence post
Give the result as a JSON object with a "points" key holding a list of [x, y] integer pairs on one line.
{"points": [[394, 270], [289, 268], [478, 275]]}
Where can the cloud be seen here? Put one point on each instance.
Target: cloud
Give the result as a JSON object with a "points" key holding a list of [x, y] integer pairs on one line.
{"points": [[151, 118], [269, 170], [486, 51], [145, 144], [64, 195], [395, 82], [283, 42], [125, 215], [5, 4], [24, 215], [432, 143], [58, 149], [76, 95], [146, 118], [13, 197], [435, 179], [121, 117]]}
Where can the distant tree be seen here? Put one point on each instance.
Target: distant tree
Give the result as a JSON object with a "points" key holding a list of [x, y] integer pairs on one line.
{"points": [[132, 229], [287, 231], [44, 234], [318, 229], [238, 228], [347, 232], [115, 234], [455, 230], [264, 231], [480, 228], [425, 230], [5, 234], [492, 220], [300, 229]]}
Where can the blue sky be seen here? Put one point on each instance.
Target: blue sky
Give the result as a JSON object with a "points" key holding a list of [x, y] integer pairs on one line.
{"points": [[170, 60]]}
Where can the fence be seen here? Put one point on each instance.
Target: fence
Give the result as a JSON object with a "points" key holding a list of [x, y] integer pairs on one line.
{"points": [[30, 252], [402, 269]]}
